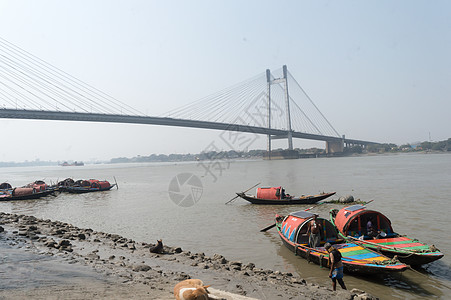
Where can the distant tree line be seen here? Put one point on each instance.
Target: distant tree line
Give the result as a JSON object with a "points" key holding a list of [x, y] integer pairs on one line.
{"points": [[232, 154], [443, 146], [27, 163], [314, 152]]}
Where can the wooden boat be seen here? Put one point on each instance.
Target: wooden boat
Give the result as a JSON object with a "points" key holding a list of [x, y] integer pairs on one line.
{"points": [[89, 186], [23, 193], [277, 196], [292, 230], [351, 224], [64, 184], [40, 186]]}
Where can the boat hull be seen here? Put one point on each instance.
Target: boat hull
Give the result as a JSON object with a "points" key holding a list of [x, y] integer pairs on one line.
{"points": [[322, 260], [292, 201], [404, 256], [83, 190], [36, 195]]}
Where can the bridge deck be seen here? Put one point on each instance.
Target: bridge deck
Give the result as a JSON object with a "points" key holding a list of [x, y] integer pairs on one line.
{"points": [[113, 118]]}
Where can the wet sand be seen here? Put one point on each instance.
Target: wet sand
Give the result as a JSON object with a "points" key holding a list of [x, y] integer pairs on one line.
{"points": [[44, 259]]}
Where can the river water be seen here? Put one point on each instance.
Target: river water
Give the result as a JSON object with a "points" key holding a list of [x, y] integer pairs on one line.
{"points": [[413, 190]]}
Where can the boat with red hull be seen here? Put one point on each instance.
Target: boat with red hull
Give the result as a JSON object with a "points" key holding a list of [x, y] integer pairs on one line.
{"points": [[292, 229], [89, 186], [277, 196], [35, 190], [351, 223]]}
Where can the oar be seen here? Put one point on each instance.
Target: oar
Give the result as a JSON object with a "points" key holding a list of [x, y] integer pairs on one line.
{"points": [[316, 205], [117, 186], [268, 227], [242, 192], [369, 202]]}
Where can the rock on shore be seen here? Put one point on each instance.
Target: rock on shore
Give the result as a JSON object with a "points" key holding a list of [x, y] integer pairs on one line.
{"points": [[132, 271]]}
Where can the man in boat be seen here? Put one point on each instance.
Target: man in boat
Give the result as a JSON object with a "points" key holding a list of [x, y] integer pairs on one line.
{"points": [[336, 266], [314, 232], [372, 231]]}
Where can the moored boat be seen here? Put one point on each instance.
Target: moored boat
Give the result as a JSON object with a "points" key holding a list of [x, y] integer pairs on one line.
{"points": [[277, 196], [351, 223], [64, 184], [41, 186], [292, 230], [23, 193], [89, 186]]}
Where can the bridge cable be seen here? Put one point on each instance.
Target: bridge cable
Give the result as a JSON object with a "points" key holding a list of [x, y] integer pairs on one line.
{"points": [[39, 75], [106, 100], [308, 97]]}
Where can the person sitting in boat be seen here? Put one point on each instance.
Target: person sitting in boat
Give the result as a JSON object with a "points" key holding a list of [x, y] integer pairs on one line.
{"points": [[371, 230], [336, 266], [314, 232]]}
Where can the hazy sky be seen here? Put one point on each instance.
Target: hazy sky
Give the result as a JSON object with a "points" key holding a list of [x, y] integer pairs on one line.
{"points": [[377, 70]]}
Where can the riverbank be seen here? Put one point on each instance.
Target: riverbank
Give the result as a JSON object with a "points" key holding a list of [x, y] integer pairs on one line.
{"points": [[45, 259]]}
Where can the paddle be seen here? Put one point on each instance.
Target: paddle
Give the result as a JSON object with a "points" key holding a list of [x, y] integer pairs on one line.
{"points": [[316, 205], [268, 227], [369, 202], [242, 192]]}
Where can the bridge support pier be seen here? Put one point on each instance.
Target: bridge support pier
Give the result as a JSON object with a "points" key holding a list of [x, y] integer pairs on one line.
{"points": [[334, 147]]}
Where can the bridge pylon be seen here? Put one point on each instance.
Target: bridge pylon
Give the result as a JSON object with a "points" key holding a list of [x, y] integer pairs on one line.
{"points": [[284, 81]]}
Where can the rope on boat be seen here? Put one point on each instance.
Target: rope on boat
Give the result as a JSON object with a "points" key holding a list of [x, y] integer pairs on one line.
{"points": [[392, 261], [432, 248], [406, 256], [296, 250]]}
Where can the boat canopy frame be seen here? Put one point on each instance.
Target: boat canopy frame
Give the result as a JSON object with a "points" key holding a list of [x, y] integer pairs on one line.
{"points": [[328, 234], [356, 225]]}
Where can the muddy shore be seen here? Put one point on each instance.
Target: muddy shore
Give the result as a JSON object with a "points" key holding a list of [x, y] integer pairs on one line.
{"points": [[45, 259]]}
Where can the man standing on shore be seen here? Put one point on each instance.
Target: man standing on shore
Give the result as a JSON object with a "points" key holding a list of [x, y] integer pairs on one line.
{"points": [[314, 232], [336, 267]]}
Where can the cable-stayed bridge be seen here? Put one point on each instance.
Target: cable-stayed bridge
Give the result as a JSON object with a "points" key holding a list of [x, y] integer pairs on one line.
{"points": [[272, 103]]}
